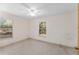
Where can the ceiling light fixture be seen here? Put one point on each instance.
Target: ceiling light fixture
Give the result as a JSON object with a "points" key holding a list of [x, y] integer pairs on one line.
{"points": [[33, 11]]}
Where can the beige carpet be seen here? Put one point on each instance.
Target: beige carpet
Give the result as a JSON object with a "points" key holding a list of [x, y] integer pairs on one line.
{"points": [[35, 47]]}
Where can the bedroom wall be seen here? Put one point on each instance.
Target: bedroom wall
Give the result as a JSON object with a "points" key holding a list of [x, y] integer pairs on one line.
{"points": [[61, 29], [20, 28]]}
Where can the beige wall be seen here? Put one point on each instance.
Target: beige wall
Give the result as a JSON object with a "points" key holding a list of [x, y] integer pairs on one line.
{"points": [[60, 29], [20, 28]]}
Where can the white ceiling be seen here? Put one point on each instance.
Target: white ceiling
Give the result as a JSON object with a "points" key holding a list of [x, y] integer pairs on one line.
{"points": [[46, 9]]}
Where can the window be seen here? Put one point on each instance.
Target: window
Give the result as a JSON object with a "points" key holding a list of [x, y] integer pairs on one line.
{"points": [[5, 28], [42, 28]]}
